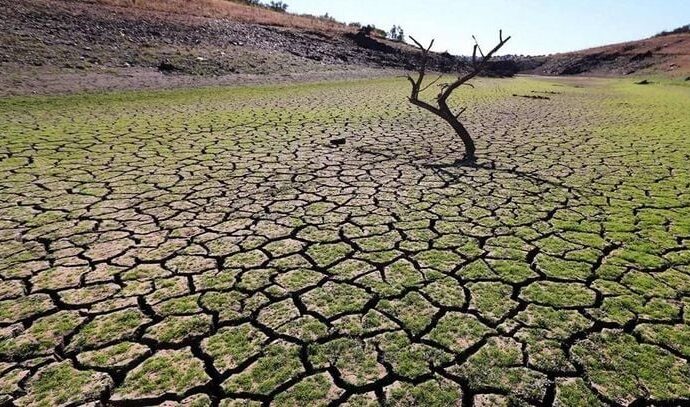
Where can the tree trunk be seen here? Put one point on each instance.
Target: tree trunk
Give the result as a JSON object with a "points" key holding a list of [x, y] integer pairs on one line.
{"points": [[461, 131], [465, 137]]}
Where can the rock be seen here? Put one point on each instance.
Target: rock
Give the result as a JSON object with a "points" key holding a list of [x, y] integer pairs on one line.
{"points": [[338, 141], [532, 97], [167, 67]]}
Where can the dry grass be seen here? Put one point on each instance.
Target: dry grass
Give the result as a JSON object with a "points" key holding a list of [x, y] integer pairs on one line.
{"points": [[230, 10]]}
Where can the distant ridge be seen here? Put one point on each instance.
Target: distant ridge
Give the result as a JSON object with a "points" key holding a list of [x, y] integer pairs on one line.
{"points": [[667, 53]]}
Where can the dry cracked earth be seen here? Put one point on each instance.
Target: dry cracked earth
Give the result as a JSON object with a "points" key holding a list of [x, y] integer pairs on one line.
{"points": [[211, 247]]}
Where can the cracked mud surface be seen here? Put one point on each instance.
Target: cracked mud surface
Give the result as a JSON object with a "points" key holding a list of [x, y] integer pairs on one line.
{"points": [[209, 247]]}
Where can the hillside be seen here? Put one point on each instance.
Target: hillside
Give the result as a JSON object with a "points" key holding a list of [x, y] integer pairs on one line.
{"points": [[59, 43], [665, 54], [64, 46]]}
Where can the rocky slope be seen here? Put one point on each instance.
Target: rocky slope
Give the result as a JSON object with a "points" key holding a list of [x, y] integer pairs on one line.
{"points": [[58, 46], [666, 55], [53, 40]]}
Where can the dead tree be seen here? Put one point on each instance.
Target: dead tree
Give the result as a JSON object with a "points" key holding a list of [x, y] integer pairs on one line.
{"points": [[442, 109]]}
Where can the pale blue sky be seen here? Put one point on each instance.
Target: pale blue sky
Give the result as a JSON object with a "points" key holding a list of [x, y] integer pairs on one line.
{"points": [[537, 26]]}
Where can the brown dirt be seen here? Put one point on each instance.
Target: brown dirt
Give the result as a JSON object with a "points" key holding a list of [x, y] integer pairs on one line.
{"points": [[51, 81], [668, 55], [58, 46]]}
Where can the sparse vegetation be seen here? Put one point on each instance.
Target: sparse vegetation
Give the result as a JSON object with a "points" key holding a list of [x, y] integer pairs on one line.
{"points": [[278, 6], [396, 33], [371, 30], [319, 284], [685, 29]]}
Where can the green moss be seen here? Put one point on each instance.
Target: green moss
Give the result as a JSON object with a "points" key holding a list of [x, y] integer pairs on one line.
{"points": [[327, 254], [574, 393], [350, 269], [279, 313], [435, 392], [408, 359], [278, 363], [221, 280], [11, 380], [383, 242], [356, 360], [317, 390], [543, 353], [236, 402], [560, 323], [305, 328], [42, 336], [115, 356], [24, 307], [493, 367], [620, 309], [559, 295], [227, 304], [297, 280], [250, 259], [354, 325], [441, 260], [645, 284], [166, 372], [256, 279], [512, 272], [563, 269], [624, 370], [232, 346], [332, 299], [379, 258], [446, 292], [492, 300], [457, 331], [61, 384], [403, 274], [413, 310], [109, 328], [676, 337], [177, 329], [674, 278], [187, 304], [239, 175]]}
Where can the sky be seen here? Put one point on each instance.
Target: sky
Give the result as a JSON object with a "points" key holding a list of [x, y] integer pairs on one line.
{"points": [[537, 26]]}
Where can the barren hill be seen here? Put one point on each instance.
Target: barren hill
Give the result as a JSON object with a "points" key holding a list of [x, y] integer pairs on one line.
{"points": [[179, 42], [57, 46], [664, 54]]}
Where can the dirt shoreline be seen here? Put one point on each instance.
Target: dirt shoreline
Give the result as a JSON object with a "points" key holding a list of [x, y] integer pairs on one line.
{"points": [[48, 82]]}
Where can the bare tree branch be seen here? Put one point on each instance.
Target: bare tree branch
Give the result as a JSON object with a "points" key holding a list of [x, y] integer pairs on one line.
{"points": [[477, 68], [460, 112], [431, 83]]}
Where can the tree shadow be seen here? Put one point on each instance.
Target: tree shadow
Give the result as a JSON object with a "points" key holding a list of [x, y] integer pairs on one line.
{"points": [[455, 172], [444, 171]]}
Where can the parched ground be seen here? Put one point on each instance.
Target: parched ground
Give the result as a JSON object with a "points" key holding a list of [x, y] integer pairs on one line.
{"points": [[210, 246]]}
